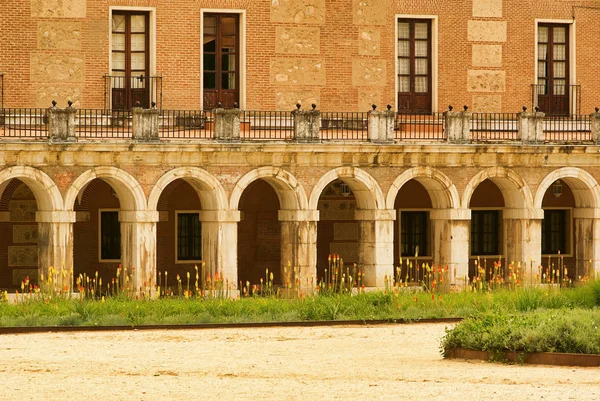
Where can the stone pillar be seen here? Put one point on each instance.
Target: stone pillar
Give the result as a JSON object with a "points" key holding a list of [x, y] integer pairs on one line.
{"points": [[376, 245], [219, 244], [586, 242], [531, 127], [138, 247], [458, 125], [381, 125], [145, 124], [307, 124], [595, 122], [55, 244], [523, 237], [227, 124], [299, 243], [451, 232], [61, 123]]}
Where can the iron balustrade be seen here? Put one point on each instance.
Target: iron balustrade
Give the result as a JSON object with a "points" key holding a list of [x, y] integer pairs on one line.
{"points": [[575, 128], [126, 92], [344, 126], [186, 124], [2, 92], [495, 127], [96, 123], [24, 123], [410, 126], [276, 125], [556, 100]]}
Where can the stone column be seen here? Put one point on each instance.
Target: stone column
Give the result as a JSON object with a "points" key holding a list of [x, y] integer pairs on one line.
{"points": [[299, 243], [227, 124], [376, 245], [61, 123], [595, 123], [55, 244], [145, 124], [307, 124], [219, 243], [531, 127], [381, 125], [451, 232], [586, 242], [458, 125], [523, 238], [138, 247]]}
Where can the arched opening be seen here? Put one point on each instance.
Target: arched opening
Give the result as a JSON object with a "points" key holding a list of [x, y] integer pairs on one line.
{"points": [[486, 245], [179, 236], [18, 236], [413, 243], [259, 234]]}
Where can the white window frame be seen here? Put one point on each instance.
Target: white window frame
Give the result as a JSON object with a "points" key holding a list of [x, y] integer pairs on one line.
{"points": [[100, 236], [434, 56], [572, 53], [177, 260], [242, 53]]}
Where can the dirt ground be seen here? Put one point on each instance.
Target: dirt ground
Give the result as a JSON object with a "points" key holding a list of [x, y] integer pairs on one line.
{"points": [[391, 362]]}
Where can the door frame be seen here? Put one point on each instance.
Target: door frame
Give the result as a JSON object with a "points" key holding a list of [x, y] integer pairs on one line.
{"points": [[242, 52], [434, 57]]}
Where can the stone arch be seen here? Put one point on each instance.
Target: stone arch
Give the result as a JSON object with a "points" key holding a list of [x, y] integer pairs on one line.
{"points": [[442, 191], [517, 194], [43, 187], [210, 191], [291, 194], [130, 193], [584, 186], [366, 190]]}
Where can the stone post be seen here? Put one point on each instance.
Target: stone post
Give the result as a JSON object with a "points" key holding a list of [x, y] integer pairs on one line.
{"points": [[219, 244], [595, 123], [451, 229], [61, 123], [138, 247], [458, 125], [587, 242], [299, 244], [227, 124], [376, 245], [381, 125], [55, 246], [524, 239], [145, 124], [531, 126], [307, 124]]}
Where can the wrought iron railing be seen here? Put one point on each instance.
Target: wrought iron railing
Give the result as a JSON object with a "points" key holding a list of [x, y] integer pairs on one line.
{"points": [[1, 91], [24, 123], [186, 124], [99, 124], [495, 127], [277, 125], [575, 128], [125, 92], [419, 127], [344, 126], [556, 100]]}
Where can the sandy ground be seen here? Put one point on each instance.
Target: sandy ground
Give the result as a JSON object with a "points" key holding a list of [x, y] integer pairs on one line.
{"points": [[392, 362]]}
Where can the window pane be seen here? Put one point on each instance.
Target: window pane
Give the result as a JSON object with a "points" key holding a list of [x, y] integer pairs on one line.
{"points": [[403, 48], [560, 34], [138, 61], [560, 87], [138, 42], [404, 66], [210, 44], [210, 80], [228, 44], [543, 34], [560, 69], [560, 52], [138, 23], [210, 62], [542, 87], [421, 66], [118, 61], [118, 23], [421, 48], [542, 52], [403, 84], [110, 236], [421, 85], [228, 81], [542, 69], [228, 62], [210, 26], [188, 236], [228, 26], [403, 30], [421, 31], [118, 41]]}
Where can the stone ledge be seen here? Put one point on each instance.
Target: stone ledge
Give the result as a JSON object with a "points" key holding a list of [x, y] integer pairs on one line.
{"points": [[541, 358]]}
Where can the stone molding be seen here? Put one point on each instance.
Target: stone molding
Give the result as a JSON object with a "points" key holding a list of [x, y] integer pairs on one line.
{"points": [[298, 215], [221, 216], [375, 215], [141, 216], [522, 214], [55, 217], [450, 214]]}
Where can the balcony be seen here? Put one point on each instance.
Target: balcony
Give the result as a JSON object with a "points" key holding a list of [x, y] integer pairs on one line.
{"points": [[126, 92], [556, 100]]}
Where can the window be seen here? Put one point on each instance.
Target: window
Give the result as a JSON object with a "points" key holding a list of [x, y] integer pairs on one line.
{"points": [[221, 60], [553, 89], [555, 230], [414, 66], [485, 232], [189, 237], [110, 235], [130, 59], [413, 234]]}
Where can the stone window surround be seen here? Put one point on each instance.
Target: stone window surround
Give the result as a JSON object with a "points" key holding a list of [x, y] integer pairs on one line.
{"points": [[569, 234], [152, 35], [242, 51], [572, 50], [100, 235], [434, 56], [177, 260]]}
